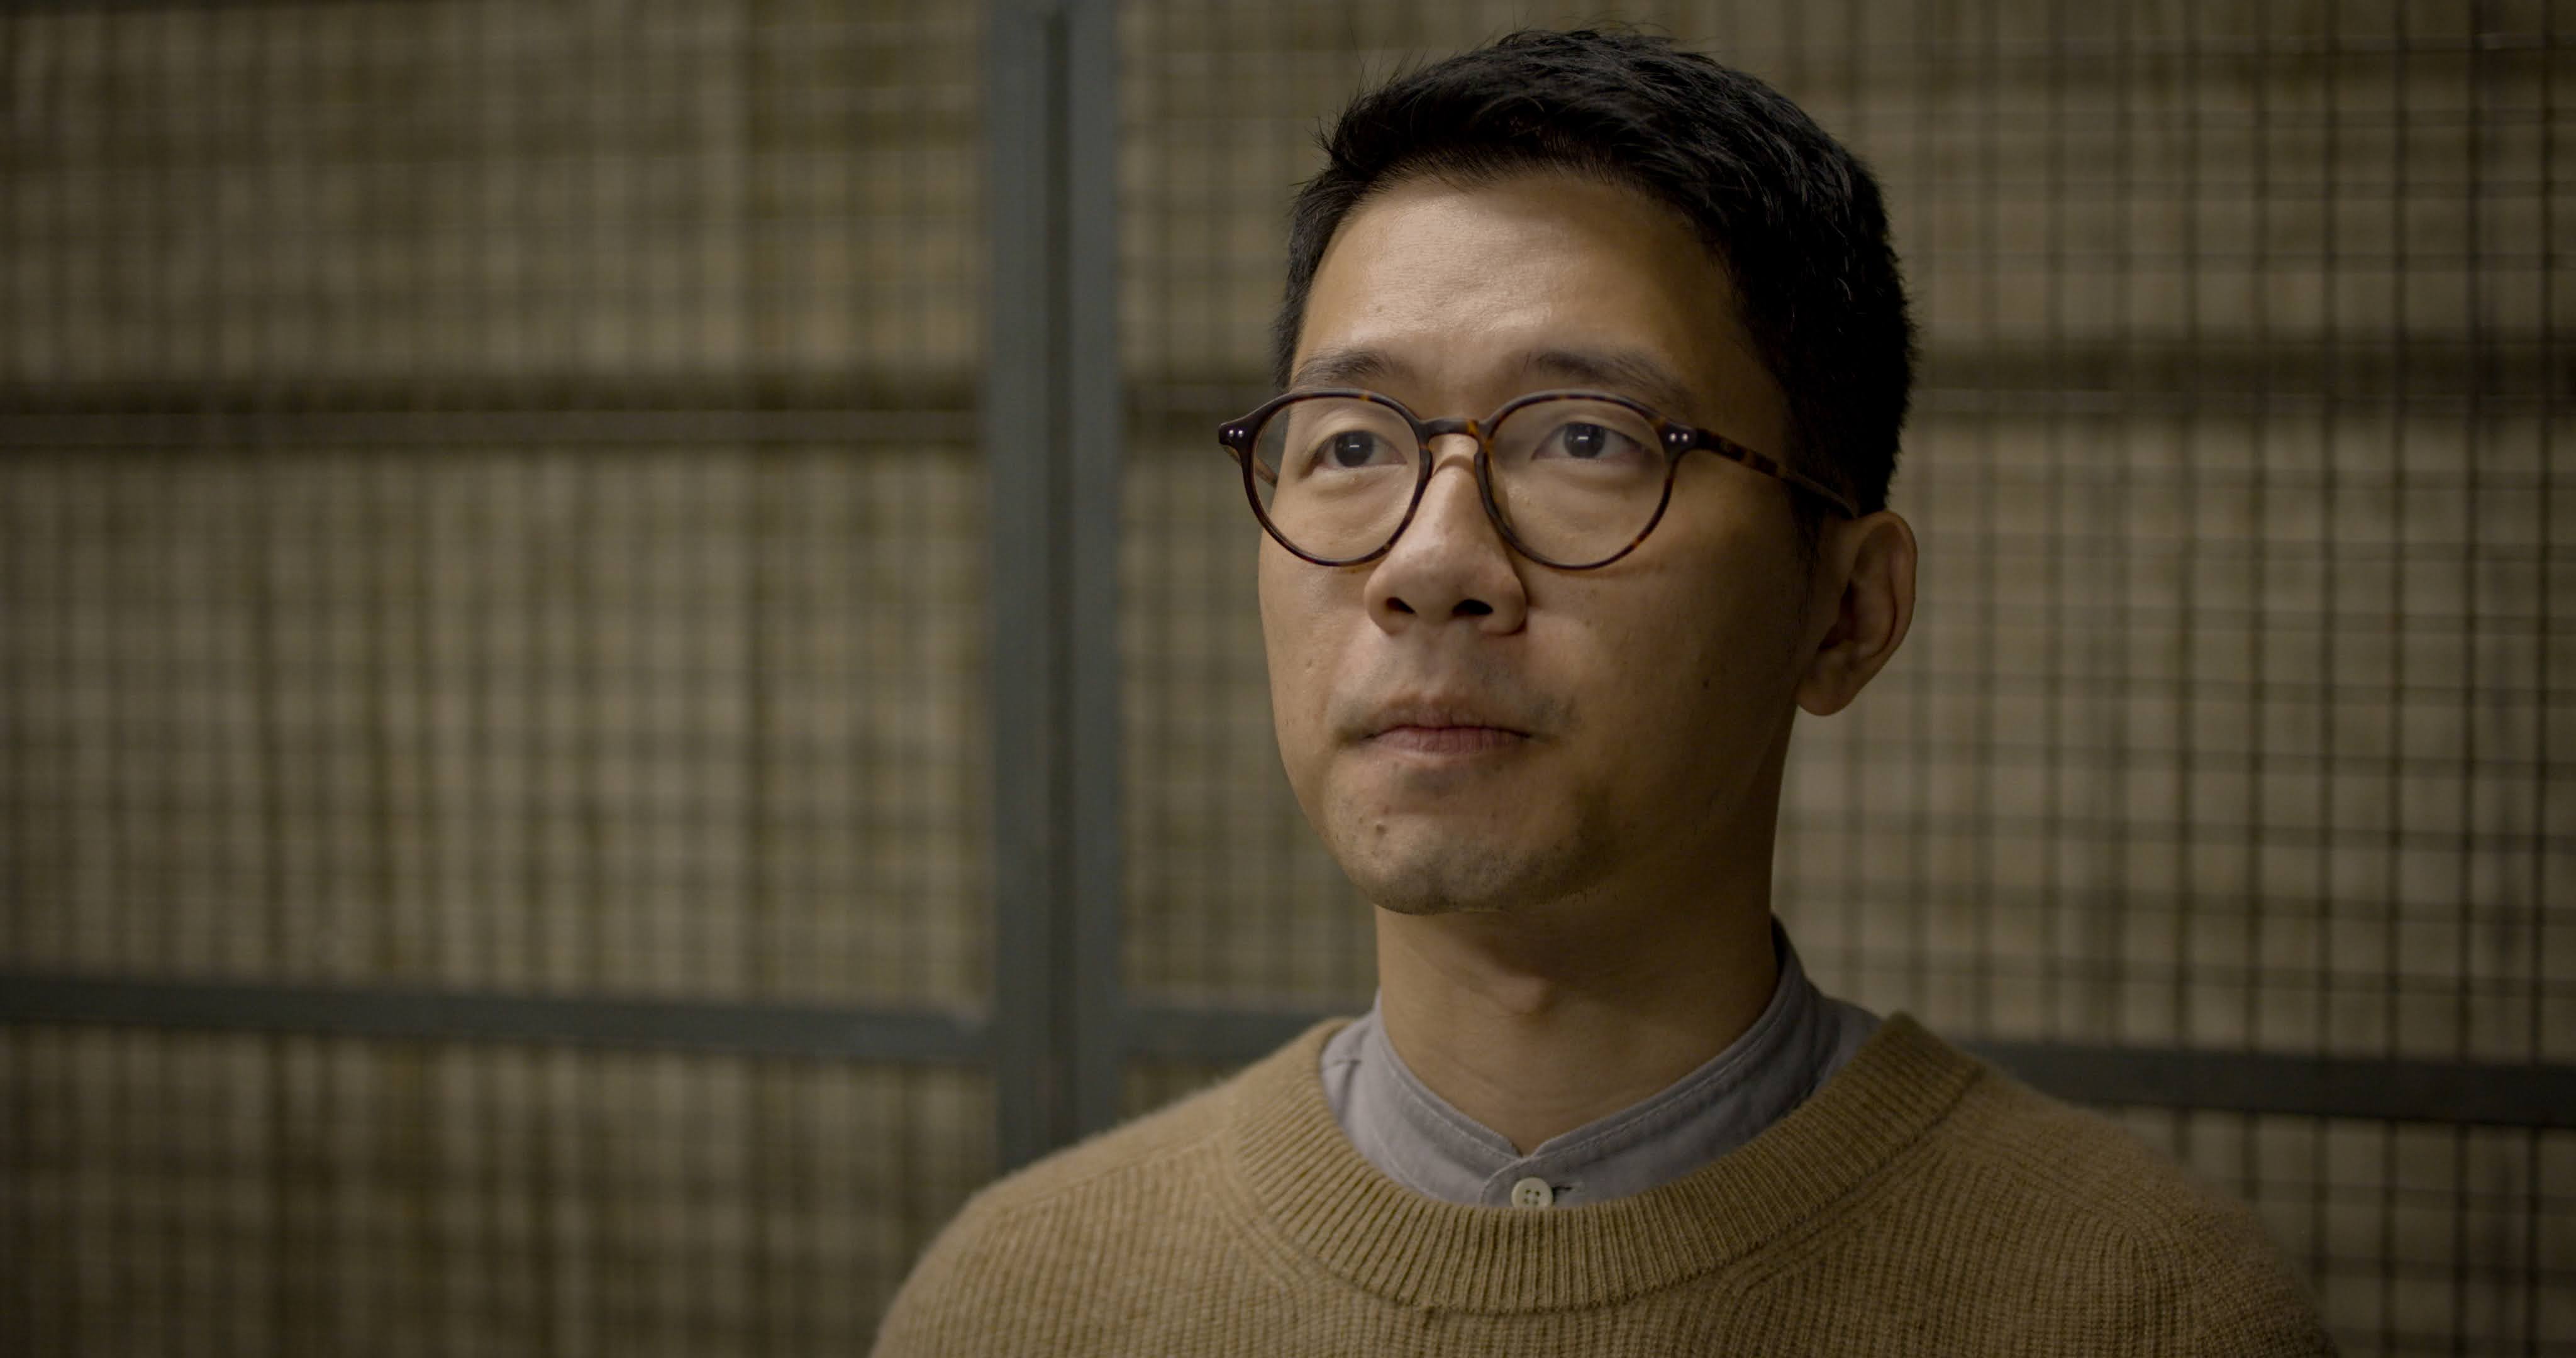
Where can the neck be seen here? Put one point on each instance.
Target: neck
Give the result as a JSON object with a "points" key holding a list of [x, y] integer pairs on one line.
{"points": [[1538, 1020]]}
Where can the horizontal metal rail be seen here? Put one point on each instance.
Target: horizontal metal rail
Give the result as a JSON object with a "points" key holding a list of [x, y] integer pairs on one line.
{"points": [[2446, 373], [372, 428], [816, 1032], [2474, 1093], [2369, 1089], [2387, 1090]]}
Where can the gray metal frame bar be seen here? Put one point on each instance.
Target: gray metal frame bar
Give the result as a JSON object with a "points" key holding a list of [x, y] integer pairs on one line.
{"points": [[1095, 402], [1052, 406], [2147, 1077], [2478, 1093], [1023, 411], [807, 1032], [161, 430], [2534, 1096]]}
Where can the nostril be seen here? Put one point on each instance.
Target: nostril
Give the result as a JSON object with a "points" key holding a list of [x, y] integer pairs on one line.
{"points": [[1473, 608]]}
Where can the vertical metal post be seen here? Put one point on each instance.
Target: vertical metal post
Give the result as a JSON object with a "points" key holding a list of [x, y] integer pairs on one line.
{"points": [[1022, 402], [1095, 401], [1051, 442]]}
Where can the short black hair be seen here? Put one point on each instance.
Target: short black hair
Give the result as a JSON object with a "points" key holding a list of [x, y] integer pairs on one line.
{"points": [[1794, 218]]}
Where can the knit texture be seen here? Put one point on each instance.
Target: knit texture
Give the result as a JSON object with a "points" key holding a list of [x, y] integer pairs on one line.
{"points": [[1920, 1202]]}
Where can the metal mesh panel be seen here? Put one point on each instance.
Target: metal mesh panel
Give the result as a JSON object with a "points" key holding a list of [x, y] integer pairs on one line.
{"points": [[2241, 679], [488, 500], [2229, 720], [685, 721], [542, 709], [238, 1194], [431, 192]]}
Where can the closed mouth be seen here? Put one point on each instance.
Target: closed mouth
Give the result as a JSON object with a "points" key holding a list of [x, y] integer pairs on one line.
{"points": [[1447, 739], [1434, 727]]}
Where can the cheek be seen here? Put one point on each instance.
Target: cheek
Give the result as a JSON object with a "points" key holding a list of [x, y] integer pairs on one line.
{"points": [[1296, 641], [1702, 670]]}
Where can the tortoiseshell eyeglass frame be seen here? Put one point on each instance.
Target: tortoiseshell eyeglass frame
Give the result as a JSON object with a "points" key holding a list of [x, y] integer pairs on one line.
{"points": [[1238, 436]]}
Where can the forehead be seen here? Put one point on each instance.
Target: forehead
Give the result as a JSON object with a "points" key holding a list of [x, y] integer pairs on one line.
{"points": [[1461, 292]]}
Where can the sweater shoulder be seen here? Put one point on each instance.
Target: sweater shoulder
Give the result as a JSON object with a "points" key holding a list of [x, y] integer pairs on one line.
{"points": [[1145, 1145], [2057, 1157], [2081, 1186], [1129, 1161], [1145, 1193]]}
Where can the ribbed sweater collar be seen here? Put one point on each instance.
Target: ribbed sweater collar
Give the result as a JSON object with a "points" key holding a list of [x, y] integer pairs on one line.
{"points": [[1299, 1172]]}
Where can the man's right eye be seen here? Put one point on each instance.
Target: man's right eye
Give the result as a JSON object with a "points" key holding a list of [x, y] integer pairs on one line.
{"points": [[1352, 448]]}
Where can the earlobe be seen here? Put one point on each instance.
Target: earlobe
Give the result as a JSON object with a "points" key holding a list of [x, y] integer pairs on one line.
{"points": [[1865, 581]]}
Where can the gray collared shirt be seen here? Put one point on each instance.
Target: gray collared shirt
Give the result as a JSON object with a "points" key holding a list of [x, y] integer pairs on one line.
{"points": [[1414, 1137]]}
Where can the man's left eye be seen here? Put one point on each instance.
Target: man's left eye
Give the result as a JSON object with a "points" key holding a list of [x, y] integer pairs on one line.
{"points": [[1588, 441]]}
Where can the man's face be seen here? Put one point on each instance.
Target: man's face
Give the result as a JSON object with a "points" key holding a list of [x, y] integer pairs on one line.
{"points": [[1468, 730]]}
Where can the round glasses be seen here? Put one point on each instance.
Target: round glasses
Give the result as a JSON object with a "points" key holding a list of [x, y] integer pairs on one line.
{"points": [[1573, 480]]}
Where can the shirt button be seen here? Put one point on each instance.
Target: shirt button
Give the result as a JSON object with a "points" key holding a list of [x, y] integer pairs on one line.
{"points": [[1532, 1192]]}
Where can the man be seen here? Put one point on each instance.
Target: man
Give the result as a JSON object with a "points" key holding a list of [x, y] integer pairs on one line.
{"points": [[1594, 359]]}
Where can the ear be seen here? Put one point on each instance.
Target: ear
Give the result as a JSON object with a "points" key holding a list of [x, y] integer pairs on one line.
{"points": [[1862, 603]]}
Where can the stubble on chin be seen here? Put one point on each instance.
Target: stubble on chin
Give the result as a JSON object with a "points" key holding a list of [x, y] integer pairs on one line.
{"points": [[1429, 869]]}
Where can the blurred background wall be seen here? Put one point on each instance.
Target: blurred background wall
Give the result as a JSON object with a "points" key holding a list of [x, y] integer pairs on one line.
{"points": [[497, 678]]}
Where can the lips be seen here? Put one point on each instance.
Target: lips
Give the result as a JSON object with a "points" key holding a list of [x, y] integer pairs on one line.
{"points": [[1441, 728], [1446, 739]]}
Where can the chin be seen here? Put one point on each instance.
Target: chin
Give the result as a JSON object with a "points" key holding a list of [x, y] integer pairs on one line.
{"points": [[1414, 899], [1447, 874]]}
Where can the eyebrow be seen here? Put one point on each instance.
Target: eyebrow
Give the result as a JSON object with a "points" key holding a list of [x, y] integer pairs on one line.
{"points": [[1350, 368], [1623, 371]]}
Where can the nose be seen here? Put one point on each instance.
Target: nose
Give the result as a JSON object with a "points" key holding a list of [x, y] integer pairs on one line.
{"points": [[1450, 565]]}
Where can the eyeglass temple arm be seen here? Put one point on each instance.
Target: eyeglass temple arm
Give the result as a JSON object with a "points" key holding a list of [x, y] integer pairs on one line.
{"points": [[1771, 466]]}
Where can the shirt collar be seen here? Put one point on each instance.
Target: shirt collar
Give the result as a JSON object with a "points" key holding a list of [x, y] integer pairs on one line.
{"points": [[1418, 1139]]}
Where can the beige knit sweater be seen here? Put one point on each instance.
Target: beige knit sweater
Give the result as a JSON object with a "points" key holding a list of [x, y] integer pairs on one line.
{"points": [[1920, 1202]]}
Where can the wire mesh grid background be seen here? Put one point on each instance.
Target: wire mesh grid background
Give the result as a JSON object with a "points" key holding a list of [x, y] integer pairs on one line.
{"points": [[2238, 705], [492, 503], [492, 500]]}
